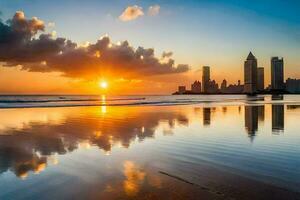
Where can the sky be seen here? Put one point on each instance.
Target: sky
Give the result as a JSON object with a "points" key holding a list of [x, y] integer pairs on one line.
{"points": [[167, 43]]}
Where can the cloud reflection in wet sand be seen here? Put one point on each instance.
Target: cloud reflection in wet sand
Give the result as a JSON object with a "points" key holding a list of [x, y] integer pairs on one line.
{"points": [[27, 147], [134, 178]]}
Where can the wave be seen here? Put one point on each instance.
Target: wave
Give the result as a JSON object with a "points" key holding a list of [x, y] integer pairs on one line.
{"points": [[70, 101], [63, 100], [161, 103]]}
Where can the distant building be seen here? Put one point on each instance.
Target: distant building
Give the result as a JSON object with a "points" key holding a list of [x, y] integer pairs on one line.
{"points": [[205, 78], [181, 89], [235, 89], [223, 85], [277, 74], [260, 79], [213, 87], [293, 85], [250, 74], [196, 87], [232, 88]]}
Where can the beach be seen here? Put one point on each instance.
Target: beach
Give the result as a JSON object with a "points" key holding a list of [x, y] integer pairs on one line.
{"points": [[150, 147]]}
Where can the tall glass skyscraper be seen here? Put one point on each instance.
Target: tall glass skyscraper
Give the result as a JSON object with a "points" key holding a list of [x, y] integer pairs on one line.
{"points": [[205, 78], [260, 79], [250, 74], [277, 75]]}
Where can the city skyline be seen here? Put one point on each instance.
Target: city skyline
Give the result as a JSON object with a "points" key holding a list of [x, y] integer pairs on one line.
{"points": [[166, 31], [254, 80]]}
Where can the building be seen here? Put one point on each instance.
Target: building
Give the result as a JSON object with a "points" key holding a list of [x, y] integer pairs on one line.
{"points": [[213, 87], [196, 87], [232, 88], [292, 85], [235, 89], [260, 79], [277, 76], [205, 78], [250, 74], [181, 89], [223, 85]]}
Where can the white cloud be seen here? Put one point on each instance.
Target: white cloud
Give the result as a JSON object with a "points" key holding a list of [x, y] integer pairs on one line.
{"points": [[131, 13], [53, 34], [51, 24], [153, 10]]}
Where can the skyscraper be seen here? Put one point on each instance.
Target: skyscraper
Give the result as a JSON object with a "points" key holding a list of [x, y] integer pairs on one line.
{"points": [[260, 79], [223, 85], [205, 78], [292, 85], [277, 76], [250, 74]]}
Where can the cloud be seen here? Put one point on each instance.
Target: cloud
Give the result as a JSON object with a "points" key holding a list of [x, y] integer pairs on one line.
{"points": [[51, 24], [166, 54], [153, 10], [24, 43], [131, 13]]}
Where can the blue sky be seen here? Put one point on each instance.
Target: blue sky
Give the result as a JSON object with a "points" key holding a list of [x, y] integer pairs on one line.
{"points": [[219, 33]]}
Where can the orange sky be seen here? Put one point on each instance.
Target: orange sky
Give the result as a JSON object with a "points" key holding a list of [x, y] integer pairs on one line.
{"points": [[16, 81]]}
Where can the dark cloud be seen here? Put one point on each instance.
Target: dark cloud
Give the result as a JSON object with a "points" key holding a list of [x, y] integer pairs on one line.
{"points": [[167, 54], [23, 42]]}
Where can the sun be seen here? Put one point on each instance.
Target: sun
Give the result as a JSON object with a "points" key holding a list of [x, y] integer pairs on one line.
{"points": [[103, 84]]}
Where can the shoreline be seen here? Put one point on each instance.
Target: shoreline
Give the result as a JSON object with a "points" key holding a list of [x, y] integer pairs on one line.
{"points": [[175, 93], [164, 100]]}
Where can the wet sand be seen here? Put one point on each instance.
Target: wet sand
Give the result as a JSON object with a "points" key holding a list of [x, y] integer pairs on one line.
{"points": [[149, 152]]}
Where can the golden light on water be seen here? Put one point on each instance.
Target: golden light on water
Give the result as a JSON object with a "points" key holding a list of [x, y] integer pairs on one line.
{"points": [[103, 101]]}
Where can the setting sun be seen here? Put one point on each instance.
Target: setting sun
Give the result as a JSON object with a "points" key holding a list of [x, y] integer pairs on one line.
{"points": [[103, 84]]}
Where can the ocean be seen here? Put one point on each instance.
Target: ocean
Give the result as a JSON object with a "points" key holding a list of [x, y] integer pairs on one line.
{"points": [[25, 101]]}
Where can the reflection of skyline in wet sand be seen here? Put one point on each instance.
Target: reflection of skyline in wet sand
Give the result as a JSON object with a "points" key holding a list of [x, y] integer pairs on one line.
{"points": [[253, 114], [251, 120], [277, 118], [206, 116]]}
